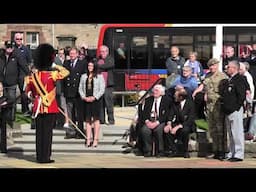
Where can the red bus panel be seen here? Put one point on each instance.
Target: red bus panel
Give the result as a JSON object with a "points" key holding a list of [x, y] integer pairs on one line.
{"points": [[139, 81]]}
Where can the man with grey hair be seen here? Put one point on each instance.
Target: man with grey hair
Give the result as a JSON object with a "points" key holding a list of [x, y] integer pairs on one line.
{"points": [[106, 66], [185, 80], [233, 97], [154, 117], [26, 54], [175, 63]]}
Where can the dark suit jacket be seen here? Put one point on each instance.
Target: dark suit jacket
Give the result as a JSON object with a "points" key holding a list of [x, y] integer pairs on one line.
{"points": [[163, 109], [233, 94], [10, 69], [108, 66], [186, 116], [71, 82]]}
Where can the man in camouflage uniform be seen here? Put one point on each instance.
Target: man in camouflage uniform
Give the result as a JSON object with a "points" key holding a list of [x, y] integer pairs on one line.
{"points": [[215, 116]]}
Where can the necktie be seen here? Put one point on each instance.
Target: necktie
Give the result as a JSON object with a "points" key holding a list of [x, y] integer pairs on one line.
{"points": [[156, 111], [180, 107], [72, 64]]}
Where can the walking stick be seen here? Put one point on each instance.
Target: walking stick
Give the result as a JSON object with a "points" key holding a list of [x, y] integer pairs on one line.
{"points": [[75, 126]]}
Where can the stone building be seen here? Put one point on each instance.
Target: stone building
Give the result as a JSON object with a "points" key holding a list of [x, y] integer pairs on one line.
{"points": [[59, 35]]}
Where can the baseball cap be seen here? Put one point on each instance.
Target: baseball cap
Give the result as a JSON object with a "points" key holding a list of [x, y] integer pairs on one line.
{"points": [[9, 44]]}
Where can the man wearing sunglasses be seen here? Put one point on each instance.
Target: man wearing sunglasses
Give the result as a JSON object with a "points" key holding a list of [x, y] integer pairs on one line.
{"points": [[25, 53], [11, 63]]}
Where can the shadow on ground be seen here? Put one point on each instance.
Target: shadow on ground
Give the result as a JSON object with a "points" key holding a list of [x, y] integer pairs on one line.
{"points": [[17, 152]]}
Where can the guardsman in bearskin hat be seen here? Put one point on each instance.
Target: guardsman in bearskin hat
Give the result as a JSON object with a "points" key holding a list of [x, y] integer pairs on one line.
{"points": [[41, 88]]}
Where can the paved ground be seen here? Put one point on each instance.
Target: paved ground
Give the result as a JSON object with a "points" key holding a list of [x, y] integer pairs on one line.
{"points": [[17, 160], [99, 160]]}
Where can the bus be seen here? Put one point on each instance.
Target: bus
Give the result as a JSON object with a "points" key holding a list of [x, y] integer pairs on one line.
{"points": [[141, 50]]}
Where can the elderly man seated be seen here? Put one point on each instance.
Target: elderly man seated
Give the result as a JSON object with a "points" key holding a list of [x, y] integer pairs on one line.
{"points": [[154, 117], [180, 123]]}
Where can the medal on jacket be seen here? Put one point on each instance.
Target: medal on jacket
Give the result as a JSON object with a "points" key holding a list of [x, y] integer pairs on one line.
{"points": [[229, 88]]}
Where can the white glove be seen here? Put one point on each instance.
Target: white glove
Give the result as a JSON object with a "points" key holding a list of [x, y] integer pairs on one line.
{"points": [[30, 95], [53, 65]]}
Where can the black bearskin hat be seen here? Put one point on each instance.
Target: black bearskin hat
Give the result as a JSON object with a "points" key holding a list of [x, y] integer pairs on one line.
{"points": [[44, 56]]}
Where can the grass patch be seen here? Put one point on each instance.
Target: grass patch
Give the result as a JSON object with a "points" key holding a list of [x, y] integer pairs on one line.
{"points": [[20, 119], [202, 124]]}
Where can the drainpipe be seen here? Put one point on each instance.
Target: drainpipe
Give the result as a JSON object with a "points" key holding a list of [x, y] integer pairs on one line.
{"points": [[217, 53]]}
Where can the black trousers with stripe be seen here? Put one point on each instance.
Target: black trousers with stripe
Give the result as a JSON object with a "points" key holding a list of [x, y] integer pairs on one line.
{"points": [[44, 129]]}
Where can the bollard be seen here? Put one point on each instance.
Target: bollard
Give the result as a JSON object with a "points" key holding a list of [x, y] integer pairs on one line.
{"points": [[202, 144]]}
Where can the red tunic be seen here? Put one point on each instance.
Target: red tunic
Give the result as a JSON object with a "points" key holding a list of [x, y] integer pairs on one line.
{"points": [[48, 79]]}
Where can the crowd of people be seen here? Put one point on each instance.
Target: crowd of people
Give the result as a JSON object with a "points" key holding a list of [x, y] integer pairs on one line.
{"points": [[82, 88], [70, 81], [222, 98]]}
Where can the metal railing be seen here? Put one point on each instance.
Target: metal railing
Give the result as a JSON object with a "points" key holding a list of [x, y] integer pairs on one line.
{"points": [[158, 81]]}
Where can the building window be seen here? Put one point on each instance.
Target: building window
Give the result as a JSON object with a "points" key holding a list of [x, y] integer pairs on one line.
{"points": [[66, 41], [32, 39]]}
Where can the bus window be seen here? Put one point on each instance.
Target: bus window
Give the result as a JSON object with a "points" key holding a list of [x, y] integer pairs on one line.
{"points": [[161, 47], [184, 50], [120, 52], [139, 52], [229, 38], [182, 39], [202, 38], [244, 38], [203, 54]]}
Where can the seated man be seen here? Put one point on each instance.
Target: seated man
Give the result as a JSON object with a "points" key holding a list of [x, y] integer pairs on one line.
{"points": [[185, 80], [181, 122], [155, 116]]}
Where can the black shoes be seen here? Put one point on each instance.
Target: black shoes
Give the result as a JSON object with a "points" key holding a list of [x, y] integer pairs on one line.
{"points": [[212, 156], [175, 154], [49, 161], [234, 159], [160, 154], [186, 155], [70, 136], [140, 153], [79, 136], [217, 155], [171, 153], [148, 154], [111, 122]]}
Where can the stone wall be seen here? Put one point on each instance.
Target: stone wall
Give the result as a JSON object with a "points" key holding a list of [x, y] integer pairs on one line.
{"points": [[84, 33]]}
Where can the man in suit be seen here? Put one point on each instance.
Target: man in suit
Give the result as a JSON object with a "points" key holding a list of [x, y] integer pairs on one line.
{"points": [[59, 60], [233, 94], [106, 66], [252, 62], [229, 56], [180, 123], [75, 106], [26, 54], [155, 116]]}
